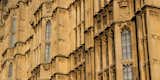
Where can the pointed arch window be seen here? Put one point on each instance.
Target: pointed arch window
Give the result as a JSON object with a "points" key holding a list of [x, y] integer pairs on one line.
{"points": [[14, 24], [13, 32], [48, 31], [126, 44], [10, 71], [47, 38]]}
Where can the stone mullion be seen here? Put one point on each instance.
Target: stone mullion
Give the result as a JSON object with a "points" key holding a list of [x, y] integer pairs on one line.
{"points": [[86, 14], [104, 51], [21, 22], [118, 52], [78, 13], [107, 14], [39, 49], [110, 13], [101, 56], [78, 74], [92, 63], [97, 57], [89, 38], [82, 33], [90, 66], [107, 74], [104, 75], [43, 39], [86, 64], [78, 36], [72, 76], [101, 22], [91, 13], [86, 40], [82, 7], [99, 4], [92, 36], [72, 61], [82, 10], [105, 17], [110, 54], [82, 72], [95, 2]]}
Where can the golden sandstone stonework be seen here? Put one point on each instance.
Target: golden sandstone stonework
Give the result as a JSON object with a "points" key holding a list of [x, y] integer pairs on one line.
{"points": [[80, 40]]}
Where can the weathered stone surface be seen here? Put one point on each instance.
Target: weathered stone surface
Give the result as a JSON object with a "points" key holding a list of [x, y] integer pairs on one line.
{"points": [[79, 39]]}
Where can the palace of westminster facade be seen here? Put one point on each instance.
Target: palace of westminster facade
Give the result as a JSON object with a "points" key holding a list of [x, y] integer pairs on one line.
{"points": [[80, 40]]}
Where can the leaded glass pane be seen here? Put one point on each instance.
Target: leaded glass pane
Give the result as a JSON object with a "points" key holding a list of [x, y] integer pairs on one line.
{"points": [[12, 40], [126, 44], [13, 31], [127, 72], [130, 73], [47, 37], [48, 31], [14, 24], [47, 52]]}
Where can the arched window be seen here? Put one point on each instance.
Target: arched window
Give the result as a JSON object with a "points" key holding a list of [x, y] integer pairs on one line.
{"points": [[10, 71], [48, 30], [13, 32], [127, 72], [14, 24], [126, 44], [47, 44]]}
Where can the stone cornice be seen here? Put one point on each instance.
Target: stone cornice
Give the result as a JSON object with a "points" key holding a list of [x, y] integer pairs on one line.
{"points": [[29, 38], [14, 56], [54, 75], [59, 55]]}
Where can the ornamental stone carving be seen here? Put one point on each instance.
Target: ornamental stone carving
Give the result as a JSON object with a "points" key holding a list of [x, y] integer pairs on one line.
{"points": [[123, 3]]}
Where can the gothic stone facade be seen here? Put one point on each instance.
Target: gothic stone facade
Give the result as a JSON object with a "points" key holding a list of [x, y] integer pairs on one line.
{"points": [[80, 40]]}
